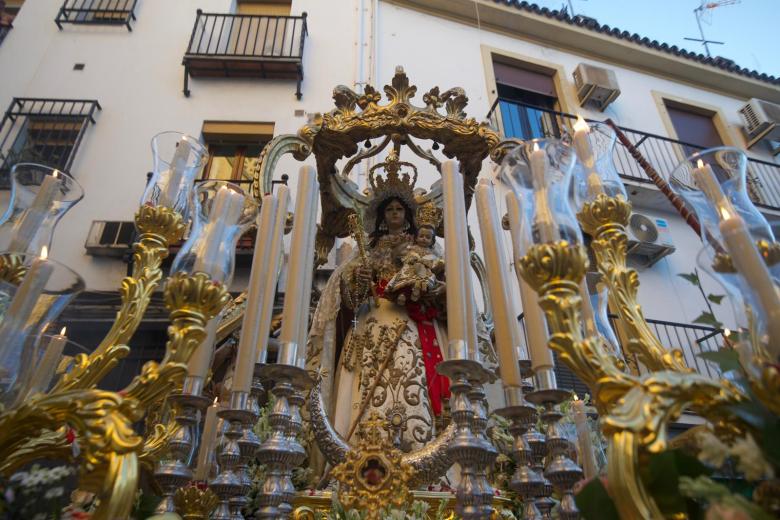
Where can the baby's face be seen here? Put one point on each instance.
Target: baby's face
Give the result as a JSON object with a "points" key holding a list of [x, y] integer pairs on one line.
{"points": [[424, 237]]}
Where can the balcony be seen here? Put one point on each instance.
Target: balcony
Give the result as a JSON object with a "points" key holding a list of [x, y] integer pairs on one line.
{"points": [[97, 12], [515, 120], [692, 340], [246, 46]]}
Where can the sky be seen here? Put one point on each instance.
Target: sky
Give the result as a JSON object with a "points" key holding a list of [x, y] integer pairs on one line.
{"points": [[749, 28]]}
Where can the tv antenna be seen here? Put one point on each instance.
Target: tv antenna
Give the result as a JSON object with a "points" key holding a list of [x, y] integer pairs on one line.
{"points": [[704, 12]]}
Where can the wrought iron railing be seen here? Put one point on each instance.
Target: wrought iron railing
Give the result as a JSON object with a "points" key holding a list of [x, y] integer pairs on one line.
{"points": [[274, 44], [42, 130], [97, 12], [520, 120], [692, 340]]}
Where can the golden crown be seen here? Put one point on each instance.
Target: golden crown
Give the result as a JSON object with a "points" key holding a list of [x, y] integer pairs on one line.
{"points": [[429, 214], [394, 184]]}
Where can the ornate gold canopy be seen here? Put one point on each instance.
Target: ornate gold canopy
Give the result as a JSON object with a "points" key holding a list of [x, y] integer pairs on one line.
{"points": [[360, 117]]}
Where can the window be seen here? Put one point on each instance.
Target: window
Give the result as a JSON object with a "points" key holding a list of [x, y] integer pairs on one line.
{"points": [[527, 100], [265, 8], [234, 149], [45, 131], [693, 126]]}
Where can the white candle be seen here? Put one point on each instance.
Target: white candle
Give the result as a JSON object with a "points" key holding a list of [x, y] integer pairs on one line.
{"points": [[535, 324], [504, 316], [225, 211], [200, 361], [454, 265], [749, 263], [271, 278], [208, 440], [743, 252], [177, 168], [258, 277], [585, 155], [12, 328], [544, 217], [588, 461], [42, 376], [27, 226], [298, 264], [307, 284]]}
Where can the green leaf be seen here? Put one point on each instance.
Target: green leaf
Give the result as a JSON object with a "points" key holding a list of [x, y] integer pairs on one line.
{"points": [[716, 298], [691, 277], [594, 502], [661, 479], [726, 359], [707, 318]]}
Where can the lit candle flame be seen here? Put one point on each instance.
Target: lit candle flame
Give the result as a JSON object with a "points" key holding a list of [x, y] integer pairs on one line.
{"points": [[699, 163], [54, 173], [63, 331], [536, 146], [215, 401], [44, 253], [581, 124]]}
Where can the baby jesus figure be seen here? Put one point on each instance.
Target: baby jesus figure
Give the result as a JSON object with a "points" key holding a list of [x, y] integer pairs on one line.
{"points": [[420, 265]]}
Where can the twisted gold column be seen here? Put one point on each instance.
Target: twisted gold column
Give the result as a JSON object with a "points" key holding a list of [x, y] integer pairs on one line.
{"points": [[605, 220]]}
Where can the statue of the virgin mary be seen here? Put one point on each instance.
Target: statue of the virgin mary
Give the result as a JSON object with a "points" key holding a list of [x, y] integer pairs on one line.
{"points": [[376, 334]]}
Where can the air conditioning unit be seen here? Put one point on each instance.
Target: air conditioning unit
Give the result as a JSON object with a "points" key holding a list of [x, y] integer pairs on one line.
{"points": [[762, 120], [110, 238], [595, 85], [649, 239]]}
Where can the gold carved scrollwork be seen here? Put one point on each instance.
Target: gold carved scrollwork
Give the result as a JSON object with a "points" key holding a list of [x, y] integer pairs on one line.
{"points": [[158, 226], [605, 219], [195, 504], [12, 268]]}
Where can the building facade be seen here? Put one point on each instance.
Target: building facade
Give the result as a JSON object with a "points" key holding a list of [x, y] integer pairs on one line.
{"points": [[88, 83]]}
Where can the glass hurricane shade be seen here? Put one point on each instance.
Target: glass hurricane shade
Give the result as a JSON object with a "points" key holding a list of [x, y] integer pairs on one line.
{"points": [[594, 171], [178, 158], [222, 212], [716, 201], [38, 199], [26, 310], [539, 172]]}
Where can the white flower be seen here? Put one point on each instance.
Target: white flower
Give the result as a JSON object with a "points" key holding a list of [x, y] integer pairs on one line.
{"points": [[54, 492], [711, 450], [751, 460], [18, 477]]}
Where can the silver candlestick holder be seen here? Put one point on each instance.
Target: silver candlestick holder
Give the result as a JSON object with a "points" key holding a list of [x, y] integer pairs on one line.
{"points": [[538, 444], [489, 453], [560, 470], [248, 444], [295, 401], [526, 481], [281, 452], [173, 471], [228, 482], [465, 448]]}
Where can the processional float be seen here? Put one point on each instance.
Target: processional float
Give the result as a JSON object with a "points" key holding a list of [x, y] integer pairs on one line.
{"points": [[43, 414]]}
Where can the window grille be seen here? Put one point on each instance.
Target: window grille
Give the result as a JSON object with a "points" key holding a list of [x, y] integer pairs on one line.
{"points": [[44, 131]]}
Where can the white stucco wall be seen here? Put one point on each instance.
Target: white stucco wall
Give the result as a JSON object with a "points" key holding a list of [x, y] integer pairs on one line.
{"points": [[137, 78]]}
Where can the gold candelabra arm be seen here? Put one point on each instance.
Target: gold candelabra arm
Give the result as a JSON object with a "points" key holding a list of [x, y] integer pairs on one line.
{"points": [[158, 227], [156, 442], [639, 423], [108, 461], [605, 219], [554, 271], [12, 269]]}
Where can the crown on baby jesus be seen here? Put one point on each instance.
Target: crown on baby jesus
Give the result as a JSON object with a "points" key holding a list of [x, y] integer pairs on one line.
{"points": [[429, 214]]}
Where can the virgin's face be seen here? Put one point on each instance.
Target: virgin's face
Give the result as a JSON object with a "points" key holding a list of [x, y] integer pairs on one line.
{"points": [[395, 215]]}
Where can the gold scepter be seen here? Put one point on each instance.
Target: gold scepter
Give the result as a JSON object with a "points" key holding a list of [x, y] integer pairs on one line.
{"points": [[356, 228]]}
